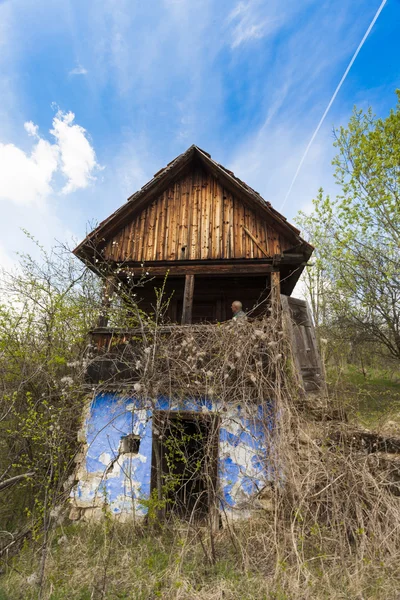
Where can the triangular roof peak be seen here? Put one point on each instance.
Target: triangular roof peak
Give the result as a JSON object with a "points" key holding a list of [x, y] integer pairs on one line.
{"points": [[172, 171]]}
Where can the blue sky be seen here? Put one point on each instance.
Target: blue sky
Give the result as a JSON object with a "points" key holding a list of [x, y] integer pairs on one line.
{"points": [[98, 96]]}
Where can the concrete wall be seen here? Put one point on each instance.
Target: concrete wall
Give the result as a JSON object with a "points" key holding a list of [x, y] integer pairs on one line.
{"points": [[123, 480]]}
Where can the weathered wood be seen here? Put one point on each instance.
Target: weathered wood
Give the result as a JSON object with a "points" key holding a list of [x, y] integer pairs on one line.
{"points": [[275, 292], [300, 328], [188, 300], [288, 327], [194, 159], [201, 269], [264, 252], [190, 217]]}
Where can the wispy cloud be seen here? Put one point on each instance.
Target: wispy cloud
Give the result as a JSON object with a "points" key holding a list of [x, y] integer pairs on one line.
{"points": [[78, 70], [249, 22], [298, 82]]}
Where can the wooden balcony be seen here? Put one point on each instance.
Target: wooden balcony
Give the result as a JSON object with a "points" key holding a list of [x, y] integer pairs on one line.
{"points": [[114, 352]]}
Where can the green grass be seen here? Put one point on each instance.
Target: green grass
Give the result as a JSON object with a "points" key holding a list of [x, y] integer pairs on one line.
{"points": [[123, 562], [372, 399], [118, 562]]}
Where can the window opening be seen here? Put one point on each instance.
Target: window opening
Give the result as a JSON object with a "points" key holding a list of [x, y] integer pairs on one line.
{"points": [[129, 444]]}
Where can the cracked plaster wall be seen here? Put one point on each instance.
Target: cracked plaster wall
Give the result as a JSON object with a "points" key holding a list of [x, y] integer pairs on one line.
{"points": [[123, 480]]}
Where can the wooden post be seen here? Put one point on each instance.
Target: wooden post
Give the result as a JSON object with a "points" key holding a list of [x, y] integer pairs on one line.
{"points": [[108, 290], [188, 300], [275, 292]]}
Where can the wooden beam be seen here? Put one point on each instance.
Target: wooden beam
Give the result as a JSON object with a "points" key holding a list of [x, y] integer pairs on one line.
{"points": [[188, 300], [275, 292], [251, 236], [202, 269]]}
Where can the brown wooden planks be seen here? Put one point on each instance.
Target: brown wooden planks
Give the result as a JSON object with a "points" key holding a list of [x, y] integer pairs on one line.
{"points": [[194, 210], [188, 300], [196, 218], [173, 222], [225, 225]]}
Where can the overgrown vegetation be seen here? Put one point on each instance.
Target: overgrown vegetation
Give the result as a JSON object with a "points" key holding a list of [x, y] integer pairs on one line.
{"points": [[354, 287], [326, 525], [325, 528]]}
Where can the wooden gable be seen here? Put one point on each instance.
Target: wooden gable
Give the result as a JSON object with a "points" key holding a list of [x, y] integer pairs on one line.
{"points": [[197, 218]]}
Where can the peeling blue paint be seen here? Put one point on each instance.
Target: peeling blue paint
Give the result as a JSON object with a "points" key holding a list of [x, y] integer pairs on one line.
{"points": [[124, 479]]}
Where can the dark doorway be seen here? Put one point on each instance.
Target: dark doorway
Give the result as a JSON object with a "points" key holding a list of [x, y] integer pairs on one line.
{"points": [[184, 463]]}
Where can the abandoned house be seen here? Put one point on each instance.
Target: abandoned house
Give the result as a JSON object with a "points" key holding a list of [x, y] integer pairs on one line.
{"points": [[207, 239]]}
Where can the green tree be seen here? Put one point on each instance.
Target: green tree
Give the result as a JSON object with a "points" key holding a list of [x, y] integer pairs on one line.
{"points": [[48, 306], [357, 234]]}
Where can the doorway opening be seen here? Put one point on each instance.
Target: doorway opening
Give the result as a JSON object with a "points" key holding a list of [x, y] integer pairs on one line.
{"points": [[184, 464]]}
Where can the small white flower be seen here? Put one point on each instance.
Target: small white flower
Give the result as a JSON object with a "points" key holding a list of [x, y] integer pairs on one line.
{"points": [[209, 373], [137, 387], [147, 350], [226, 376], [272, 344], [253, 378], [238, 354], [138, 364], [323, 341]]}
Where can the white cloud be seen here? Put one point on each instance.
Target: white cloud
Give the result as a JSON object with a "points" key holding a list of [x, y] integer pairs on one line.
{"points": [[26, 179], [77, 157], [78, 70], [31, 128]]}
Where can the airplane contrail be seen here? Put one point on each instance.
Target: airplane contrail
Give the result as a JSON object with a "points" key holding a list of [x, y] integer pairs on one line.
{"points": [[360, 45]]}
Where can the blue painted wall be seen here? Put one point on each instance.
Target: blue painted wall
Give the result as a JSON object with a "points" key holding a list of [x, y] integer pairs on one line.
{"points": [[124, 480]]}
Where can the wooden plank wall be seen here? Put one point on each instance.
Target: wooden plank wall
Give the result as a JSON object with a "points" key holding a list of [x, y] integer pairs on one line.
{"points": [[195, 219]]}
